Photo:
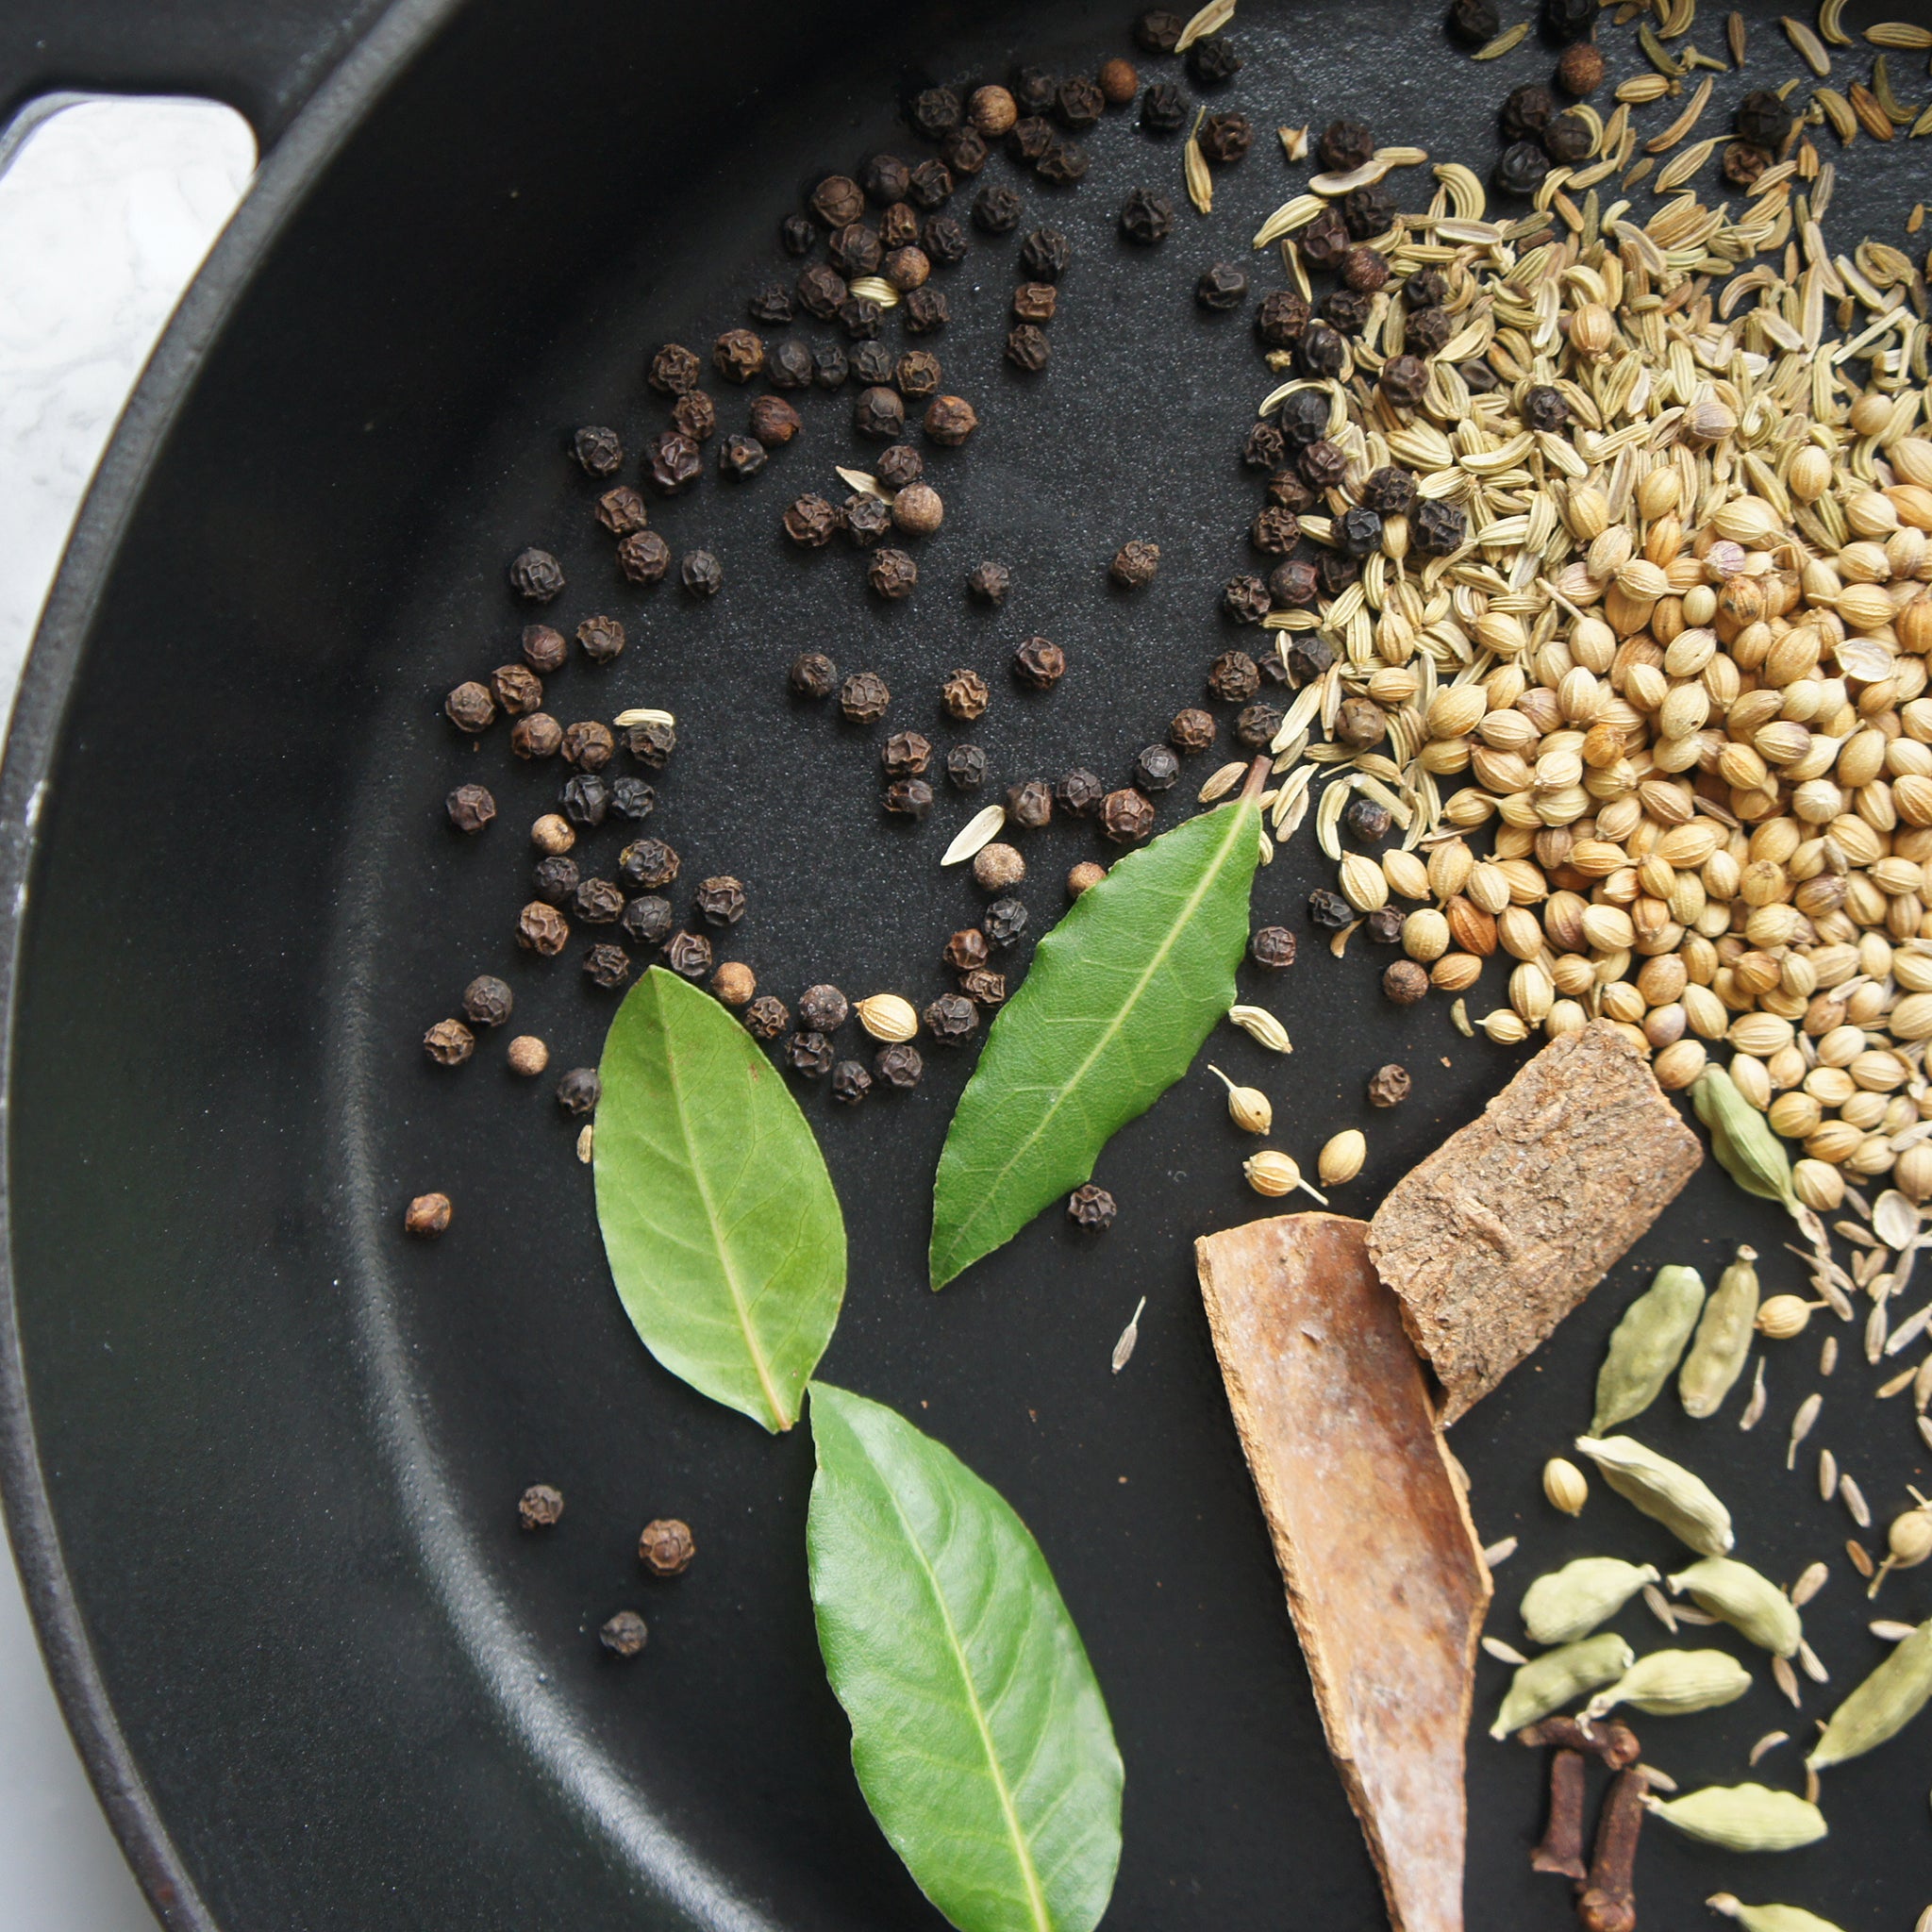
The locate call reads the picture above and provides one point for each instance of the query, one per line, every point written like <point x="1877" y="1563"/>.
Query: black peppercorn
<point x="1146" y="218"/>
<point x="536" y="575"/>
<point x="1191" y="731"/>
<point x="966" y="949"/>
<point x="1233" y="679"/>
<point x="1276" y="531"/>
<point x="607" y="966"/>
<point x="1405" y="983"/>
<point x="1134" y="564"/>
<point x="838" y="199"/>
<point x="1079" y="103"/>
<point x="621" y="511"/>
<point x="855" y="250"/>
<point x="1265" y="447"/>
<point x="1063" y="163"/>
<point x="1763" y="119"/>
<point x="1367" y="213"/>
<point x="1029" y="804"/>
<point x="879" y="413"/>
<point x="1027" y="348"/>
<point x="1427" y="288"/>
<point x="935" y="111"/>
<point x="931" y="184"/>
<point x="1526" y="111"/>
<point x="1569" y="20"/>
<point x="1126" y="816"/>
<point x="964" y="696"/>
<point x="1345" y="147"/>
<point x="1345" y="310"/>
<point x="1212" y="61"/>
<point x="1005" y="920"/>
<point x="1039" y="664"/>
<point x="774" y="420"/>
<point x="1225" y="138"/>
<point x="883" y="177"/>
<point x="1281" y="318"/>
<point x="470" y="807"/>
<point x="766" y="1017"/>
<point x="673" y="370"/>
<point x="984" y="987"/>
<point x="1325" y="240"/>
<point x="1521" y="168"/>
<point x="701" y="574"/>
<point x="773" y="302"/>
<point x="1359" y="531"/>
<point x="1156" y="769"/>
<point x="652" y="744"/>
<point x="809" y="1054"/>
<point x="585" y="798"/>
<point x="1030" y="138"/>
<point x="696" y="414"/>
<point x="905" y="754"/>
<point x="588" y="745"/>
<point x="1163" y="109"/>
<point x="851" y="1083"/>
<point x="1304" y="417"/>
<point x="1223" y="286"/>
<point x="1330" y="910"/>
<point x="688" y="954"/>
<point x="649" y="863"/>
<point x="554" y="880"/>
<point x="1035" y="301"/>
<point x="867" y="520"/>
<point x="951" y="1020"/>
<point x="449" y="1042"/>
<point x="966" y="768"/>
<point x="579" y="1091"/>
<point x="860" y="318"/>
<point x="791" y="365"/>
<point x="1384" y="925"/>
<point x="1367" y="821"/>
<point x="470" y="708"/>
<point x="542" y="929"/>
<point x="597" y="901"/>
<point x="539" y="1506"/>
<point x="907" y="798"/>
<point x="721" y="900"/>
<point x="1092" y="1209"/>
<point x="812" y="674"/>
<point x="1390" y="492"/>
<point x="741" y="458"/>
<point x="1320" y="352"/>
<point x="1337" y="570"/>
<point x="892" y="574"/>
<point x="898" y="1065"/>
<point x="738" y="355"/>
<point x="1034" y="89"/>
<point x="624" y="1635"/>
<point x="1308" y="655"/>
<point x="1046" y="255"/>
<point x="1255" y="725"/>
<point x="863" y="697"/>
<point x="647" y="919"/>
<point x="964" y="151"/>
<point x="822" y="1009"/>
<point x="828" y="366"/>
<point x="1544" y="409"/>
<point x="1159" y="32"/>
<point x="1272" y="946"/>
<point x="1080" y="793"/>
<point x="943" y="241"/>
<point x="673" y="461"/>
<point x="1568" y="137"/>
<point x="1743" y="163"/>
<point x="1474" y="23"/>
<point x="811" y="521"/>
<point x="995" y="210"/>
<point x="1294" y="585"/>
<point x="631" y="798"/>
<point x="988" y="582"/>
<point x="600" y="451"/>
<point x="796" y="235"/>
<point x="1245" y="598"/>
<point x="1425" y="330"/>
<point x="1436" y="528"/>
<point x="1478" y="376"/>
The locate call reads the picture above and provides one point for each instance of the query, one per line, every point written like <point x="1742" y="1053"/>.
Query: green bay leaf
<point x="979" y="1732"/>
<point x="718" y="1218"/>
<point x="1112" y="1011"/>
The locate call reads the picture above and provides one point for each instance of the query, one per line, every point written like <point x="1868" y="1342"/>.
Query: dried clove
<point x="1608" y="1900"/>
<point x="1561" y="1851"/>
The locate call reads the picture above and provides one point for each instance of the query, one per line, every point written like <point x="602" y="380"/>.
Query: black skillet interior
<point x="282" y="1446"/>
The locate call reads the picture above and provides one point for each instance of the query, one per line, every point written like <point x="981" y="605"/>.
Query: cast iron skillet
<point x="261" y="1455"/>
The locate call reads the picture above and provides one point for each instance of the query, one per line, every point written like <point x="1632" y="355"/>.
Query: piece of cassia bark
<point x="1384" y="1570"/>
<point x="1503" y="1230"/>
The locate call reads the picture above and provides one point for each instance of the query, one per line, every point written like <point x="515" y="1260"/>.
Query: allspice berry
<point x="553" y="834"/>
<point x="1083" y="876"/>
<point x="665" y="1548"/>
<point x="993" y="110"/>
<point x="734" y="983"/>
<point x="1405" y="983"/>
<point x="1580" y="71"/>
<point x="998" y="868"/>
<point x="427" y="1216"/>
<point x="1118" y="82"/>
<point x="528" y="1055"/>
<point x="918" y="511"/>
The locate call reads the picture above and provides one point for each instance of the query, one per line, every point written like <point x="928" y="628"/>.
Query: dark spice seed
<point x="1191" y="731"/>
<point x="884" y="178"/>
<point x="892" y="574"/>
<point x="1343" y="146"/>
<point x="1281" y="318"/>
<point x="943" y="241"/>
<point x="1027" y="348"/>
<point x="585" y="798"/>
<point x="1272" y="946"/>
<point x="1222" y="287"/>
<point x="791" y="365"/>
<point x="1543" y="408"/>
<point x="905" y="754"/>
<point x="916" y="374"/>
<point x="1427" y="330"/>
<point x="1246" y="599"/>
<point x="536" y="575"/>
<point x="1092" y="1209"/>
<point x="931" y="184"/>
<point x="821" y="289"/>
<point x="1330" y="910"/>
<point x="796" y="235"/>
<point x="673" y="370"/>
<point x="554" y="879"/>
<point x="1034" y="89"/>
<point x="774" y="420"/>
<point x="879" y="413"/>
<point x="1389" y="491"/>
<point x="1438" y="528"/>
<point x="1478" y="378"/>
<point x="1295" y="585"/>
<point x="1308" y="656"/>
<point x="773" y="302"/>
<point x="989" y="582"/>
<point x="647" y="919"/>
<point x="588" y="745"/>
<point x="824" y="1008"/>
<point x="809" y="1054"/>
<point x="926" y="312"/>
<point x="1405" y="983"/>
<point x="1029" y="804"/>
<point x="829" y="367"/>
<point x="649" y="863"/>
<point x="1526" y="111"/>
<point x="652" y="744"/>
<point x="542" y="929"/>
<point x="898" y="1065"/>
<point x="688" y="954"/>
<point x="449" y="1042"/>
<point x="1135" y="564"/>
<point x="1156" y="769"/>
<point x="607" y="966"/>
<point x="964" y="151"/>
<point x="1005" y="920"/>
<point x="1319" y="351"/>
<point x="1159" y="30"/>
<point x="1212" y="61"/>
<point x="1226" y="138"/>
<point x="964" y="696"/>
<point x="1163" y="109"/>
<point x="721" y="900"/>
<point x="598" y="902"/>
<point x="1264" y="447"/>
<point x="1126" y="815"/>
<point x="935" y="111"/>
<point x="470" y="807"/>
<point x="1367" y="821"/>
<point x="1304" y="417"/>
<point x="811" y="521"/>
<point x="1521" y="168"/>
<point x="601" y="639"/>
<point x="1359" y="531"/>
<point x="838" y="199"/>
<point x="545" y="650"/>
<point x="1079" y="103"/>
<point x="1325" y="240"/>
<point x="1405" y="380"/>
<point x="738" y="355"/>
<point x="1763" y="119"/>
<point x="1046" y="255"/>
<point x="1035" y="301"/>
<point x="860" y="318"/>
<point x="1474" y="23"/>
<point x="739" y="457"/>
<point x="1742" y="164"/>
<point x="1276" y="531"/>
<point x="624" y="1635"/>
<point x="1030" y="138"/>
<point x="470" y="708"/>
<point x="631" y="798"/>
<point x="1040" y="664"/>
<point x="863" y="697"/>
<point x="599" y="450"/>
<point x="901" y="465"/>
<point x="966" y="766"/>
<point x="1365" y="270"/>
<point x="1079" y="791"/>
<point x="644" y="557"/>
<point x="1362" y="724"/>
<point x="539" y="1506"/>
<point x="1384" y="925"/>
<point x="1063" y="163"/>
<point x="952" y="1020"/>
<point x="1256" y="724"/>
<point x="701" y="574"/>
<point x="1567" y="138"/>
<point x="1345" y="310"/>
<point x="867" y="520"/>
<point x="855" y="250"/>
<point x="1367" y="213"/>
<point x="1390" y="1086"/>
<point x="427" y="1216"/>
<point x="766" y="1017"/>
<point x="966" y="949"/>
<point x="674" y="461"/>
<point x="851" y="1083"/>
<point x="984" y="987"/>
<point x="579" y="1091"/>
<point x="1233" y="679"/>
<point x="995" y="210"/>
<point x="898" y="229"/>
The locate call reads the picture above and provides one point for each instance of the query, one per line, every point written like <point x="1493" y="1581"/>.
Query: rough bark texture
<point x="1516" y="1217"/>
<point x="1385" y="1576"/>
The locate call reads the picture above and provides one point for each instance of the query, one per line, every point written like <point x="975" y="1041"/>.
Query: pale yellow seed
<point x="1341" y="1158"/>
<point x="1565" y="1485"/>
<point x="887" y="1016"/>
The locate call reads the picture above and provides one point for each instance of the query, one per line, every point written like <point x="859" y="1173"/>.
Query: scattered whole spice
<point x="1156" y="769"/>
<point x="1005" y="920"/>
<point x="701" y="574"/>
<point x="996" y="210"/>
<point x="1159" y="30"/>
<point x="1146" y="218"/>
<point x="739" y="458"/>
<point x="812" y="674"/>
<point x="470" y="807"/>
<point x="544" y="649"/>
<point x="1245" y="598"/>
<point x="1405" y="983"/>
<point x="951" y="1020"/>
<point x="721" y="900"/>
<point x="851" y="1083"/>
<point x="542" y="929"/>
<point x="1222" y="287"/>
<point x="966" y="949"/>
<point x="609" y="966"/>
<point x="918" y="509"/>
<point x="1191" y="731"/>
<point x="1028" y="348"/>
<point x="1084" y="875"/>
<point x="527" y="1056"/>
<point x="624" y="1635"/>
<point x="644" y="557"/>
<point x="1039" y="664"/>
<point x="950" y="420"/>
<point x="901" y="466"/>
<point x="964" y="696"/>
<point x="766" y="1017"/>
<point x="863" y="697"/>
<point x="867" y="521"/>
<point x="989" y="582"/>
<point x="1029" y="804"/>
<point x="673" y="370"/>
<point x="666" y="1547"/>
<point x="539" y="1506"/>
<point x="688" y="954"/>
<point x="648" y="864"/>
<point x="1388" y="1086"/>
<point x="552" y="835"/>
<point x="696" y="415"/>
<point x="487" y="1000"/>
<point x="984" y="987"/>
<point x="1233" y="679"/>
<point x="427" y="1216"/>
<point x="536" y="575"/>
<point x="1212" y="61"/>
<point x="539" y="736"/>
<point x="892" y="574"/>
<point x="966" y="766"/>
<point x="1272" y="946"/>
<point x="809" y="1054"/>
<point x="470" y="708"/>
<point x="998" y="868"/>
<point x="898" y="1065"/>
<point x="1126" y="816"/>
<point x="588" y="745"/>
<point x="1092" y="1208"/>
<point x="586" y="796"/>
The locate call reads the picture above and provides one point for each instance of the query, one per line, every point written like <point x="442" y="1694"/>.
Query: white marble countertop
<point x="107" y="207"/>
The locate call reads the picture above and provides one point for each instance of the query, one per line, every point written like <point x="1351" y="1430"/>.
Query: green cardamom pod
<point x="1645" y="1346"/>
<point x="1570" y="1602"/>
<point x="1769" y="1918"/>
<point x="1748" y="1602"/>
<point x="1746" y="1148"/>
<point x="1882" y="1706"/>
<point x="1722" y="1345"/>
<point x="1669" y="1683"/>
<point x="1743" y="1818"/>
<point x="1559" y="1678"/>
<point x="1663" y="1489"/>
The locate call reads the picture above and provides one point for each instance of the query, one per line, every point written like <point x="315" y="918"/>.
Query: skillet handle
<point x="263" y="57"/>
